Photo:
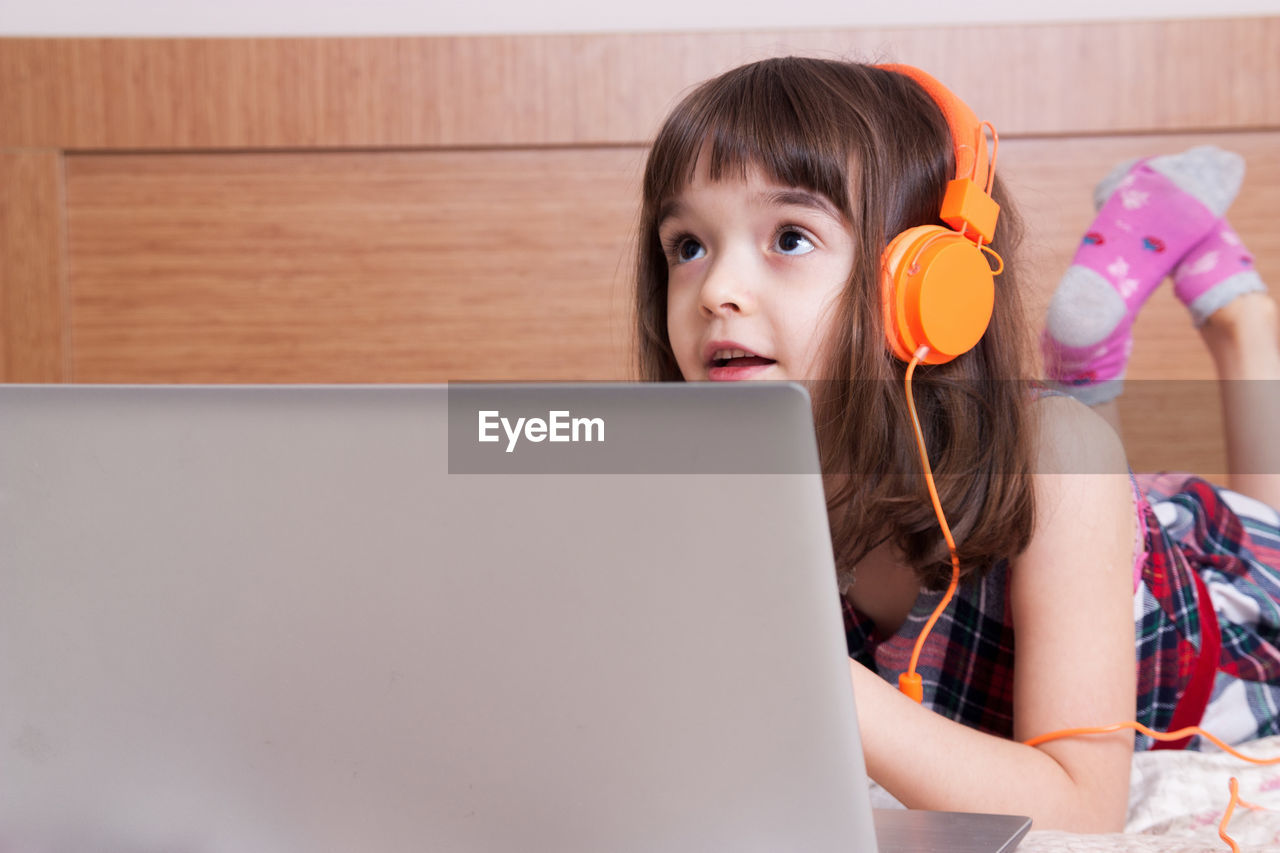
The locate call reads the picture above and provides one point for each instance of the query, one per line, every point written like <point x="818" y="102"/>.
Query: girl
<point x="770" y="195"/>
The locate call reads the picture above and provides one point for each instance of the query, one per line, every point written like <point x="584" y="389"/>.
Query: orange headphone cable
<point x="1151" y="733"/>
<point x="1233" y="785"/>
<point x="910" y="682"/>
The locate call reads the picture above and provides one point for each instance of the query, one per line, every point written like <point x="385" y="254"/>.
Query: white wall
<point x="388" y="17"/>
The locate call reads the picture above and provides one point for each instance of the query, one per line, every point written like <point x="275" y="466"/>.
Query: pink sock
<point x="1215" y="271"/>
<point x="1154" y="212"/>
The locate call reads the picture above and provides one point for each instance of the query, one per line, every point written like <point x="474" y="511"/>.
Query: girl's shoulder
<point x="1071" y="438"/>
<point x="1087" y="517"/>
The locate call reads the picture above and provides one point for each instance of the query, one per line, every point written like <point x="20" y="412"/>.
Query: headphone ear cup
<point x="938" y="291"/>
<point x="897" y="331"/>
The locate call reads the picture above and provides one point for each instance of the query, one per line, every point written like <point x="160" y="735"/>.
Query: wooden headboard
<point x="451" y="208"/>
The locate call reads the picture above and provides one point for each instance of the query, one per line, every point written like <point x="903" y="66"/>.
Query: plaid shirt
<point x="967" y="662"/>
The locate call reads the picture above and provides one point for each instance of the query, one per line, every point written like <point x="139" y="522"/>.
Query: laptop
<point x="462" y="618"/>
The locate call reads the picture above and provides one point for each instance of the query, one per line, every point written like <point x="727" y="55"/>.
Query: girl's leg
<point x="1237" y="319"/>
<point x="1242" y="338"/>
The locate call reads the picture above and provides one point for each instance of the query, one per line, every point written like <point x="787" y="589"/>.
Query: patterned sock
<point x="1212" y="273"/>
<point x="1152" y="212"/>
<point x="1216" y="270"/>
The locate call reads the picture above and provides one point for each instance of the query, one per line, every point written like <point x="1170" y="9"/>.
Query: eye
<point x="682" y="248"/>
<point x="689" y="250"/>
<point x="793" y="241"/>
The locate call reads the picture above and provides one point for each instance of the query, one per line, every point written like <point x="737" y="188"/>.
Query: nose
<point x="727" y="288"/>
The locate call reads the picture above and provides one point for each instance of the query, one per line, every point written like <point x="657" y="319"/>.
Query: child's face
<point x="755" y="269"/>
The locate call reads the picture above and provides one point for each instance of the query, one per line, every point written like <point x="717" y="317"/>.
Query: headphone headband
<point x="966" y="131"/>
<point x="937" y="288"/>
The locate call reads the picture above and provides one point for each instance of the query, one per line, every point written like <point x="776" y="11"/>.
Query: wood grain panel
<point x="426" y="209"/>
<point x="612" y="89"/>
<point x="432" y="266"/>
<point x="343" y="267"/>
<point x="32" y="332"/>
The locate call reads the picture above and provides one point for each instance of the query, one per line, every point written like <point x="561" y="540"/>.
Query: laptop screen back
<point x="312" y="618"/>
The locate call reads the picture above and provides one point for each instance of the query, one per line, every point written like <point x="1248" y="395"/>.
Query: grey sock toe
<point x="1208" y="173"/>
<point x="1085" y="309"/>
<point x="1108" y="184"/>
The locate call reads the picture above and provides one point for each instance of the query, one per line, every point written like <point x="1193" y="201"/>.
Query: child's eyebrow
<point x="799" y="198"/>
<point x="670" y="208"/>
<point x="774" y="198"/>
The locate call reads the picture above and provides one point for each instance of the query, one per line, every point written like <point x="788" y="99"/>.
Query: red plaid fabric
<point x="967" y="662"/>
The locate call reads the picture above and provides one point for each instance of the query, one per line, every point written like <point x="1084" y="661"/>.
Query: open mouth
<point x="738" y="358"/>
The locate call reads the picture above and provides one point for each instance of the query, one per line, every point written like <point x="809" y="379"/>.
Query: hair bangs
<point x="765" y="117"/>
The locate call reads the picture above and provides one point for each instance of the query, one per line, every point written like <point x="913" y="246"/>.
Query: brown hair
<point x="878" y="148"/>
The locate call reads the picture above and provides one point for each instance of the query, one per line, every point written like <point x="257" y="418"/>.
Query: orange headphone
<point x="937" y="287"/>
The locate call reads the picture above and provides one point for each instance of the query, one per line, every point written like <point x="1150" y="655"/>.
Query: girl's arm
<point x="1072" y="600"/>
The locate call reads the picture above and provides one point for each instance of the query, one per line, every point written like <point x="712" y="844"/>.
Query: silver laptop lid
<point x="268" y="619"/>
